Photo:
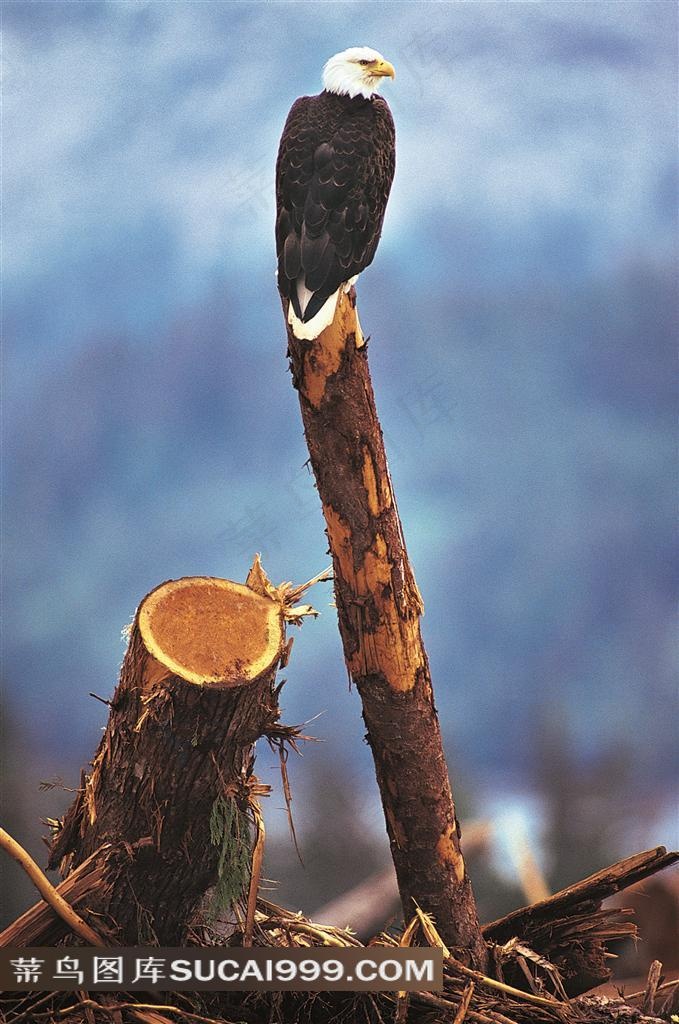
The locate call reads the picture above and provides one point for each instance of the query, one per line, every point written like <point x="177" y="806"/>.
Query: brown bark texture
<point x="379" y="609"/>
<point x="173" y="745"/>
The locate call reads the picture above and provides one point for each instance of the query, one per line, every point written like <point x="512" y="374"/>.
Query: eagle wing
<point x="333" y="176"/>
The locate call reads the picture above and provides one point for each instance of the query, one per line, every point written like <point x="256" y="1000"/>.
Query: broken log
<point x="571" y="929"/>
<point x="168" y="794"/>
<point x="379" y="609"/>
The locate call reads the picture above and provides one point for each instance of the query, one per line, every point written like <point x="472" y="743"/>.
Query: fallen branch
<point x="49" y="893"/>
<point x="571" y="930"/>
<point x="652" y="983"/>
<point x="501" y="986"/>
<point x="464" y="1005"/>
<point x="255" y="873"/>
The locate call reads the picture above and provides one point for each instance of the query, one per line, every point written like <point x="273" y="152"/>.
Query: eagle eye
<point x="364" y="62"/>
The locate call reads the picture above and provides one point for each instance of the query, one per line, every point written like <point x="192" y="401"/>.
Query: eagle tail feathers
<point x="304" y="297"/>
<point x="312" y="325"/>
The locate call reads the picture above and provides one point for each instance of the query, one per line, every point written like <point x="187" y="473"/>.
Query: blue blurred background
<point x="522" y="310"/>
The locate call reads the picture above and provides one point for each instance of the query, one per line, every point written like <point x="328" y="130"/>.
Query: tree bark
<point x="379" y="608"/>
<point x="167" y="796"/>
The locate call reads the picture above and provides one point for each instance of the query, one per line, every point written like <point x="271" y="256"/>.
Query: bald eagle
<point x="333" y="176"/>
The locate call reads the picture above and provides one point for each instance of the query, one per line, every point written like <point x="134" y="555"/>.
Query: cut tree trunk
<point x="167" y="798"/>
<point x="379" y="608"/>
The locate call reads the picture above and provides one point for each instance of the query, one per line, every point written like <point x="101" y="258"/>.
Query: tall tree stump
<point x="167" y="795"/>
<point x="379" y="608"/>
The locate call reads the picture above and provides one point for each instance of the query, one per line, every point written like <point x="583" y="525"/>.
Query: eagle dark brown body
<point x="333" y="176"/>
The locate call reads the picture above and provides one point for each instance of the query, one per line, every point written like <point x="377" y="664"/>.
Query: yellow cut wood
<point x="210" y="631"/>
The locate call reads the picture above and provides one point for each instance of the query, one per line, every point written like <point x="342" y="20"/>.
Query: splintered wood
<point x="571" y="929"/>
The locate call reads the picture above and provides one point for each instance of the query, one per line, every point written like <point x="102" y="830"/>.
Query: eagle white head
<point x="357" y="71"/>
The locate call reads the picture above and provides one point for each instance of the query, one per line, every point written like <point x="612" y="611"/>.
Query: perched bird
<point x="333" y="176"/>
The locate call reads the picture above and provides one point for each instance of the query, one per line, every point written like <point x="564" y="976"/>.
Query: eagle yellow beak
<point x="383" y="68"/>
